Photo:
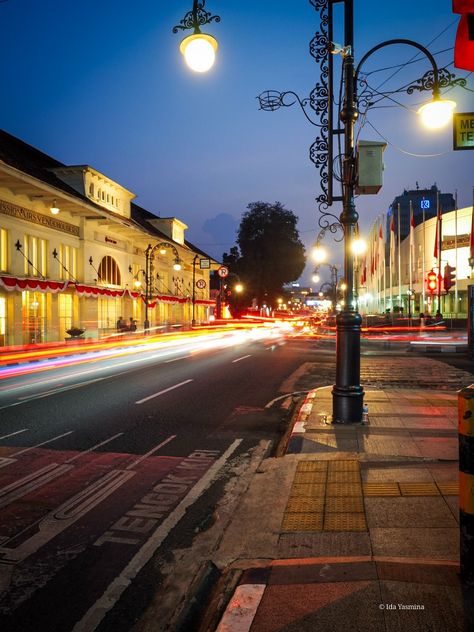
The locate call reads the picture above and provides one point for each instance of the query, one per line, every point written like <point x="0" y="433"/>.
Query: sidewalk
<point x="357" y="525"/>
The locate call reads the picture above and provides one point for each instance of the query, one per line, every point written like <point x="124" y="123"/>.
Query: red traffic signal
<point x="432" y="281"/>
<point x="464" y="44"/>
<point x="449" y="277"/>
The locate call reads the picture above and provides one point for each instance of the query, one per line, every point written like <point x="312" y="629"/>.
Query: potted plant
<point x="75" y="332"/>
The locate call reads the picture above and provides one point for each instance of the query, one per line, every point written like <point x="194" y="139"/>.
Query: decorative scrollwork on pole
<point x="427" y="82"/>
<point x="196" y="18"/>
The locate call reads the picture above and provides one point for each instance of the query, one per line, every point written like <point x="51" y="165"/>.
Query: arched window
<point x="109" y="272"/>
<point x="91" y="189"/>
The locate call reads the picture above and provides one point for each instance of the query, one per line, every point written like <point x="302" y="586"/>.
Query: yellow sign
<point x="463" y="130"/>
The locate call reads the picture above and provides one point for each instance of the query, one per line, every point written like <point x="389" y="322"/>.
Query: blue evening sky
<point x="102" y="82"/>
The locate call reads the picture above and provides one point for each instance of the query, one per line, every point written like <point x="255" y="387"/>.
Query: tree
<point x="271" y="253"/>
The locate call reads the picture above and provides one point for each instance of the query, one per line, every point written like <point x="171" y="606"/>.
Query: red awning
<point x="33" y="285"/>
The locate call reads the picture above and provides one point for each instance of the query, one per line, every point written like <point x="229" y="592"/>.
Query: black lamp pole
<point x="193" y="321"/>
<point x="347" y="393"/>
<point x="148" y="257"/>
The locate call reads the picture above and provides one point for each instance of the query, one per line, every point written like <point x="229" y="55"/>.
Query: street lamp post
<point x="347" y="392"/>
<point x="149" y="256"/>
<point x="193" y="319"/>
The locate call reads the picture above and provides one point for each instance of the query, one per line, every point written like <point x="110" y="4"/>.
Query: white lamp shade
<point x="437" y="113"/>
<point x="199" y="51"/>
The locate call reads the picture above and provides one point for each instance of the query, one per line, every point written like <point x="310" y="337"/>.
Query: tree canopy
<point x="269" y="252"/>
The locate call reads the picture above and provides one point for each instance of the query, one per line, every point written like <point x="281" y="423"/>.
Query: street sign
<point x="223" y="272"/>
<point x="463" y="130"/>
<point x="201" y="284"/>
<point x="204" y="264"/>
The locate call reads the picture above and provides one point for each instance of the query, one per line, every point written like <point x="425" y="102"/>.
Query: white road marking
<point x="242" y="358"/>
<point x="144" y="456"/>
<point x="43" y="443"/>
<point x="113" y="592"/>
<point x="13" y="433"/>
<point x="98" y="445"/>
<point x="30" y="482"/>
<point x="166" y="390"/>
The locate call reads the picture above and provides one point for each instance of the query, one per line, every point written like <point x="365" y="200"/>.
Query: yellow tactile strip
<point x="325" y="497"/>
<point x="328" y="496"/>
<point x="410" y="489"/>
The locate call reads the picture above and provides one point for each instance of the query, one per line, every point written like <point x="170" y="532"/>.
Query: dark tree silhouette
<point x="269" y="252"/>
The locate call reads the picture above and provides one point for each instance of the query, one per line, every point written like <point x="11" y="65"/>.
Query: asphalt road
<point x="106" y="462"/>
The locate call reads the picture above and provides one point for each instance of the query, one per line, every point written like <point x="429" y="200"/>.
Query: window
<point x="68" y="258"/>
<point x="91" y="189"/>
<point x="65" y="313"/>
<point x="3" y="249"/>
<point x="109" y="272"/>
<point x="109" y="311"/>
<point x="35" y="251"/>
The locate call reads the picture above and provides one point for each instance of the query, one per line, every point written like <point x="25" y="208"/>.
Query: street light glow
<point x="359" y="246"/>
<point x="239" y="287"/>
<point x="199" y="51"/>
<point x="437" y="113"/>
<point x="318" y="254"/>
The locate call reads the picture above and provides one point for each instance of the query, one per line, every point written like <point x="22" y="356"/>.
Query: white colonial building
<point x="73" y="254"/>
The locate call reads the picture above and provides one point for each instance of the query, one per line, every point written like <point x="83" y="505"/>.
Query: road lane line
<point x="150" y="452"/>
<point x="98" y="445"/>
<point x="242" y="358"/>
<point x="166" y="390"/>
<point x="96" y="613"/>
<point x="13" y="433"/>
<point x="43" y="443"/>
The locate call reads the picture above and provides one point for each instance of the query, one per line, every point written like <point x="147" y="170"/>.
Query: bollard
<point x="466" y="482"/>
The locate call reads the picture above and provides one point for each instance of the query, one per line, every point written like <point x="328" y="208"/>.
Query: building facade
<point x="394" y="276"/>
<point x="73" y="254"/>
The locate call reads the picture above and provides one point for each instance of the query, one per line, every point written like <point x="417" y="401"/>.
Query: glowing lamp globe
<point x="436" y="113"/>
<point x="199" y="51"/>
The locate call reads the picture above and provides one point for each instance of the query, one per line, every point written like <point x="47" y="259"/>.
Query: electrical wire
<point x="403" y="151"/>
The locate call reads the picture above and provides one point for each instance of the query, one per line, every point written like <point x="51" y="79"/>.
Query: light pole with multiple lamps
<point x="347" y="392"/>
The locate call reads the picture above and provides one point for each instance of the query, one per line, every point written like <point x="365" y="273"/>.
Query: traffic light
<point x="432" y="281"/>
<point x="449" y="277"/>
<point x="464" y="43"/>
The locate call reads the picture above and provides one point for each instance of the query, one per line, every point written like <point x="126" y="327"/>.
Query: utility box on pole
<point x="369" y="167"/>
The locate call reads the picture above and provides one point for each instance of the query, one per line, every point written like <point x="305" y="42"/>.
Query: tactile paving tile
<point x="308" y="490"/>
<point x="345" y="522"/>
<point x="449" y="489"/>
<point x="419" y="489"/>
<point x="302" y="505"/>
<point x="344" y="505"/>
<point x="302" y="522"/>
<point x="343" y="489"/>
<point x="381" y="489"/>
<point x="343" y="466"/>
<point x="312" y="466"/>
<point x="310" y="477"/>
<point x="343" y="477"/>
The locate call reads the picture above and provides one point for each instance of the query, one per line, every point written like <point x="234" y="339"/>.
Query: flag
<point x="381" y="247"/>
<point x="436" y="252"/>
<point x="392" y="241"/>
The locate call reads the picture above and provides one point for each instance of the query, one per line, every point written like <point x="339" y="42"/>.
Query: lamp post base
<point x="347" y="393"/>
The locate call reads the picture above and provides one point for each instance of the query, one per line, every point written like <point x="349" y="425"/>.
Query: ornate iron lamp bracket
<point x="196" y="18"/>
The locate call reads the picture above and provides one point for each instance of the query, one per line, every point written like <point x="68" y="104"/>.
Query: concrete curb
<point x="192" y="613"/>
